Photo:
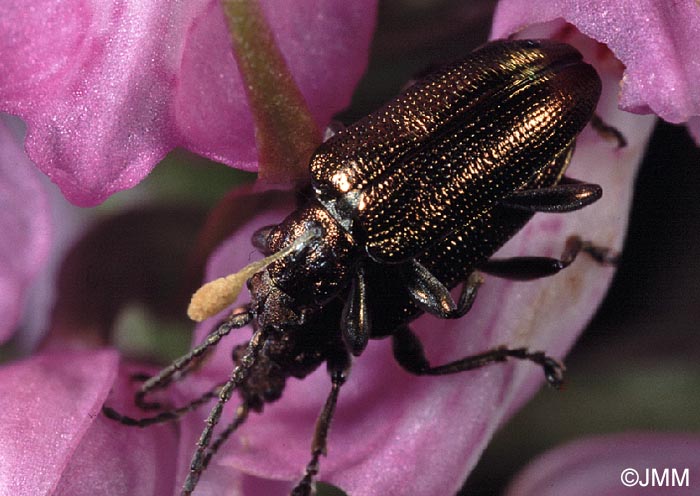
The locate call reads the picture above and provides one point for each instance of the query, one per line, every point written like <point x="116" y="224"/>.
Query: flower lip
<point x="654" y="40"/>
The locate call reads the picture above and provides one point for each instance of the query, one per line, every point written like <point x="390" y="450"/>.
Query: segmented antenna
<point x="209" y="300"/>
<point x="239" y="374"/>
<point x="216" y="295"/>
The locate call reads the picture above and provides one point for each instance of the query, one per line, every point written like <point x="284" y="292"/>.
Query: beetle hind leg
<point x="408" y="352"/>
<point x="607" y="131"/>
<point x="567" y="196"/>
<point x="529" y="268"/>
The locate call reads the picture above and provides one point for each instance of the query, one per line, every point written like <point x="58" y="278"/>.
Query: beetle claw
<point x="553" y="372"/>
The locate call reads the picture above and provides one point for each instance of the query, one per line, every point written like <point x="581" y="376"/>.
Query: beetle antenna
<point x="185" y="364"/>
<point x="216" y="295"/>
<point x="165" y="416"/>
<point x="239" y="374"/>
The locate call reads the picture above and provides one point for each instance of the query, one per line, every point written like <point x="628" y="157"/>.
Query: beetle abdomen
<point x="450" y="147"/>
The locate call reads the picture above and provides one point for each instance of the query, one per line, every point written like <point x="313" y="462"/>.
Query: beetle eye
<point x="261" y="239"/>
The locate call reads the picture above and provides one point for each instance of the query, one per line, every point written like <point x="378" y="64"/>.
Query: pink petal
<point x="48" y="404"/>
<point x="595" y="466"/>
<point x="117" y="460"/>
<point x="393" y="431"/>
<point x="108" y="89"/>
<point x="25" y="225"/>
<point x="656" y="40"/>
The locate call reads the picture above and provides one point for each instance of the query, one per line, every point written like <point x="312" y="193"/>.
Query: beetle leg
<point x="355" y="321"/>
<point x="318" y="445"/>
<point x="468" y="295"/>
<point x="607" y="131"/>
<point x="409" y="353"/>
<point x="433" y="297"/>
<point x="566" y="197"/>
<point x="529" y="268"/>
<point x="186" y="363"/>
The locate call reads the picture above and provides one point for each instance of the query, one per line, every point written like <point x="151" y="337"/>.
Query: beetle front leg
<point x="433" y="297"/>
<point x="529" y="268"/>
<point x="408" y="352"/>
<point x="338" y="373"/>
<point x="355" y="322"/>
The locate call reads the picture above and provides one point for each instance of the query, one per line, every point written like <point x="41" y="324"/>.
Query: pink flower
<point x="123" y="89"/>
<point x="108" y="88"/>
<point x="615" y="464"/>
<point x="424" y="435"/>
<point x="654" y="39"/>
<point x="26" y="229"/>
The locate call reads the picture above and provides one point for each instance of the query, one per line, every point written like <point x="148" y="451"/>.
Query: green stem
<point x="285" y="131"/>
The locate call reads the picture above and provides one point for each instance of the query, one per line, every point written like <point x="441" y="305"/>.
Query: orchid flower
<point x="634" y="463"/>
<point x="655" y="40"/>
<point x="108" y="89"/>
<point x="25" y="222"/>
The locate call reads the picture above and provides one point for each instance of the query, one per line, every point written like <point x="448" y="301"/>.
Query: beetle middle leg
<point x="408" y="351"/>
<point x="433" y="297"/>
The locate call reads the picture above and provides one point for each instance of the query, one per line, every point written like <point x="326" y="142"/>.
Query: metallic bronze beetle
<point x="405" y="204"/>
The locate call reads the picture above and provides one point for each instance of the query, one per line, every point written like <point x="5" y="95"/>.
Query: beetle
<point x="403" y="206"/>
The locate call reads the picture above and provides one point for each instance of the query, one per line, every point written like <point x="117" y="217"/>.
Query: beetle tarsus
<point x="601" y="254"/>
